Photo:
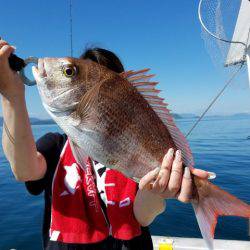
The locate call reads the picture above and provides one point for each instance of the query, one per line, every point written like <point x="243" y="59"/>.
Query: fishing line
<point x="7" y="131"/>
<point x="71" y="28"/>
<point x="34" y="60"/>
<point x="215" y="99"/>
<point x="214" y="16"/>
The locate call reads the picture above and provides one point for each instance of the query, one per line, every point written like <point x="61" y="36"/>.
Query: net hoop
<point x="212" y="34"/>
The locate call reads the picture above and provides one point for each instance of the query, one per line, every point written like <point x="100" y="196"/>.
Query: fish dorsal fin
<point x="147" y="89"/>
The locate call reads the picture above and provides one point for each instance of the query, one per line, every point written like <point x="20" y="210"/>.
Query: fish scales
<point x="133" y="133"/>
<point x="119" y="120"/>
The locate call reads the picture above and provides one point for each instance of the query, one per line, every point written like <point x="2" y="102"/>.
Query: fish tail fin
<point x="212" y="202"/>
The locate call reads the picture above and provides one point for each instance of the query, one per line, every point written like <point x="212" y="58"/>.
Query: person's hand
<point x="11" y="84"/>
<point x="171" y="180"/>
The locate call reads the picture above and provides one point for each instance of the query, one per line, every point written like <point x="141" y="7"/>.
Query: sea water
<point x="219" y="144"/>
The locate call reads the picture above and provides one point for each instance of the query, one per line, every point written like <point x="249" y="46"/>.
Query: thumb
<point x="203" y="174"/>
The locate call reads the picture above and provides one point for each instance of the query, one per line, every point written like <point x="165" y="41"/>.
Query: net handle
<point x="212" y="34"/>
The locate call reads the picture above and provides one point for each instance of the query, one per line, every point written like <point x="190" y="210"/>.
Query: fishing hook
<point x="18" y="64"/>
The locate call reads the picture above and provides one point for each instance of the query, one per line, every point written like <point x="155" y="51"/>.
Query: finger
<point x="6" y="50"/>
<point x="163" y="177"/>
<point x="174" y="183"/>
<point x="168" y="159"/>
<point x="186" y="187"/>
<point x="161" y="182"/>
<point x="2" y="43"/>
<point x="200" y="173"/>
<point x="148" y="178"/>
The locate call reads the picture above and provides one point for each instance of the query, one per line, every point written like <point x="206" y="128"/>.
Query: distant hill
<point x="35" y="121"/>
<point x="40" y="122"/>
<point x="237" y="115"/>
<point x="188" y="116"/>
<point x="241" y="115"/>
<point x="176" y="116"/>
<point x="193" y="116"/>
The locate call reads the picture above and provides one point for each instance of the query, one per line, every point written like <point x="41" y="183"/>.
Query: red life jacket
<point x="76" y="214"/>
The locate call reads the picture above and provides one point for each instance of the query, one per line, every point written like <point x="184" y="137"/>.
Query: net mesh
<point x="220" y="18"/>
<point x="227" y="20"/>
<point x="220" y="24"/>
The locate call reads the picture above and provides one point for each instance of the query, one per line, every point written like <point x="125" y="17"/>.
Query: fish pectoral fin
<point x="78" y="153"/>
<point x="213" y="202"/>
<point x="88" y="101"/>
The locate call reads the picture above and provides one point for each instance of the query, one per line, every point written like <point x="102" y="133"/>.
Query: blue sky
<point x="162" y="35"/>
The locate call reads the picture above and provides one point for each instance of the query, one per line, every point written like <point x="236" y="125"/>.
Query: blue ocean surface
<point x="219" y="145"/>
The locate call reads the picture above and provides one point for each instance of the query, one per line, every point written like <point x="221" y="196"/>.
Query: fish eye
<point x="69" y="70"/>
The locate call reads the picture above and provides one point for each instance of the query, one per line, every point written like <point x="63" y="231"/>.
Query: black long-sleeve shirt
<point x="50" y="146"/>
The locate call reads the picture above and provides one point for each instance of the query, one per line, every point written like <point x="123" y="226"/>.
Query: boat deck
<point x="175" y="243"/>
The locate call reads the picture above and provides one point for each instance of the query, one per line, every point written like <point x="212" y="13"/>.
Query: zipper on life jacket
<point x="106" y="218"/>
<point x="102" y="204"/>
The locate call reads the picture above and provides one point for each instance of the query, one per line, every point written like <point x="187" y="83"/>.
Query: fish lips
<point x="39" y="72"/>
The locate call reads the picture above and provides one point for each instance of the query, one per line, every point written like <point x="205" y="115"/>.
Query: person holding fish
<point x="102" y="188"/>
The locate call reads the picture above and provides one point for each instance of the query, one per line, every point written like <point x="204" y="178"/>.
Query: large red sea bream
<point x="119" y="120"/>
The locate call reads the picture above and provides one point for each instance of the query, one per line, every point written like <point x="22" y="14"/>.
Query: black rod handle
<point x="16" y="63"/>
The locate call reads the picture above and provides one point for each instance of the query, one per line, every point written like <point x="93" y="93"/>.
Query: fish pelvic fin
<point x="211" y="202"/>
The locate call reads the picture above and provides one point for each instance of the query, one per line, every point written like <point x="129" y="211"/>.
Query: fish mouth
<point x="63" y="93"/>
<point x="39" y="71"/>
<point x="58" y="101"/>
